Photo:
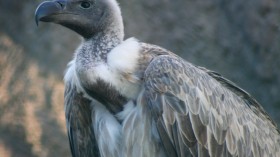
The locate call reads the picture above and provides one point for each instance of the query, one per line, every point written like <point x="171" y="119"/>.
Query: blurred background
<point x="239" y="39"/>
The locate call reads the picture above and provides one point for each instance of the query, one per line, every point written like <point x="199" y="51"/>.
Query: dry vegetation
<point x="31" y="111"/>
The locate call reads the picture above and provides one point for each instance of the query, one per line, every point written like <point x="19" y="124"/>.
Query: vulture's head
<point x="86" y="17"/>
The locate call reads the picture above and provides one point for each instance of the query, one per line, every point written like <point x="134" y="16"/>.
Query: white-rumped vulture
<point x="125" y="98"/>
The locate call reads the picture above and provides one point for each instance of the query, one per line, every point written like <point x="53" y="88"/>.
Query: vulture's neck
<point x="93" y="53"/>
<point x="104" y="41"/>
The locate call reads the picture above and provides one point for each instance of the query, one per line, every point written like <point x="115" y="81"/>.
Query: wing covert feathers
<point x="205" y="114"/>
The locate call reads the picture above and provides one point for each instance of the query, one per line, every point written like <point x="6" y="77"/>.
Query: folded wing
<point x="198" y="111"/>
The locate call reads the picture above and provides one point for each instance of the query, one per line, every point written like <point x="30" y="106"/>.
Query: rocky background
<point x="239" y="39"/>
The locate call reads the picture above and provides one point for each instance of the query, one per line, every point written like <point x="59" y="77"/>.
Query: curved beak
<point x="46" y="9"/>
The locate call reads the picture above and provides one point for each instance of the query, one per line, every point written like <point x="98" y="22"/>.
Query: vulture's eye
<point x="85" y="5"/>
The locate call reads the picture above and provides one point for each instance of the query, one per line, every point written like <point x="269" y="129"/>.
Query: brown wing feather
<point x="203" y="116"/>
<point x="249" y="100"/>
<point x="79" y="122"/>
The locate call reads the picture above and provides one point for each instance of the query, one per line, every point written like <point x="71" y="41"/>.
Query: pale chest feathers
<point x="119" y="70"/>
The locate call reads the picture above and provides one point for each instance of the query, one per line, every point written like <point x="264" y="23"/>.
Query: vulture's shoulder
<point x="154" y="50"/>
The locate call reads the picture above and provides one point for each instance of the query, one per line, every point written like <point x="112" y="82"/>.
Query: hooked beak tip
<point x="46" y="9"/>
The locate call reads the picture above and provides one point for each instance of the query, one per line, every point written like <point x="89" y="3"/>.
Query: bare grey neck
<point x="95" y="49"/>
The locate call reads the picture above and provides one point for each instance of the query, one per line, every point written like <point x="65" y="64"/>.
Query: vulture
<point x="126" y="98"/>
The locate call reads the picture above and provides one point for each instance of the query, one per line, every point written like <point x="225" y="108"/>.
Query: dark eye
<point x="85" y="5"/>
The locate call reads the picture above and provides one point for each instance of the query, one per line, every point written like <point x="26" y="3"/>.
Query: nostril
<point x="61" y="3"/>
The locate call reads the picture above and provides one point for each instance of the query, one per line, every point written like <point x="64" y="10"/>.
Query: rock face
<point x="239" y="39"/>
